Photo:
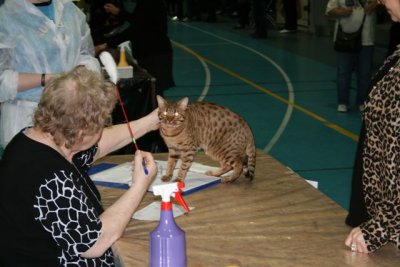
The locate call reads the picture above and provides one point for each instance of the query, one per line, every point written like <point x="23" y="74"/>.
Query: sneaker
<point x="185" y="19"/>
<point x="361" y="108"/>
<point x="286" y="31"/>
<point x="175" y="18"/>
<point x="342" y="108"/>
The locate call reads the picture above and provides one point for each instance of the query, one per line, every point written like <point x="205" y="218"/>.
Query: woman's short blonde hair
<point x="74" y="105"/>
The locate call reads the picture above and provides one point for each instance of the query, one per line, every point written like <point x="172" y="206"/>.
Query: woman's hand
<point x="346" y="11"/>
<point x="116" y="217"/>
<point x="341" y="12"/>
<point x="370" y="7"/>
<point x="110" y="8"/>
<point x="100" y="48"/>
<point x="143" y="160"/>
<point x="355" y="241"/>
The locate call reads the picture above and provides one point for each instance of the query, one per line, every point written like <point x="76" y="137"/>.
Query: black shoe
<point x="238" y="26"/>
<point x="212" y="19"/>
<point x="258" y="35"/>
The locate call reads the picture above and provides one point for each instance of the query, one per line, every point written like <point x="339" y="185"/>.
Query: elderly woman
<point x="50" y="210"/>
<point x="380" y="155"/>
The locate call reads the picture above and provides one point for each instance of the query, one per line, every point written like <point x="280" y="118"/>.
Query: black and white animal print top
<point x="381" y="158"/>
<point x="49" y="208"/>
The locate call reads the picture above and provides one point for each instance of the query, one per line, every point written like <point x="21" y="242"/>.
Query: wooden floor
<point x="278" y="220"/>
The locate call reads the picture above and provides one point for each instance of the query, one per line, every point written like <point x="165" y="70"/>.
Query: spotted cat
<point x="221" y="133"/>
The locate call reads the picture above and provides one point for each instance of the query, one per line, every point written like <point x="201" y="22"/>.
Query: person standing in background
<point x="211" y="9"/>
<point x="291" y="16"/>
<point x="193" y="10"/>
<point x="350" y="15"/>
<point x="110" y="24"/>
<point x="147" y="30"/>
<point x="38" y="40"/>
<point x="151" y="45"/>
<point x="258" y="8"/>
<point x="175" y="9"/>
<point x="243" y="11"/>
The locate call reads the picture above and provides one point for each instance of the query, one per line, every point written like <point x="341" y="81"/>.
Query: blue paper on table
<point x="119" y="176"/>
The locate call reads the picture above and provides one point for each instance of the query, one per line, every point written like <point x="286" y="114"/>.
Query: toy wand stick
<point x="111" y="68"/>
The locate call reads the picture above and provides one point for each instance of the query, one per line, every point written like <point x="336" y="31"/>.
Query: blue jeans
<point x="361" y="64"/>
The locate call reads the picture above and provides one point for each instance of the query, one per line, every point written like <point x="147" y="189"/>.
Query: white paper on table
<point x="122" y="173"/>
<point x="152" y="212"/>
<point x="313" y="183"/>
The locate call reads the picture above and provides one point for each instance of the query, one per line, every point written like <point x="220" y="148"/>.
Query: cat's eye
<point x="176" y="114"/>
<point x="165" y="113"/>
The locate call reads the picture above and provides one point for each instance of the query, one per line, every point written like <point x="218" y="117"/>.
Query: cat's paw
<point x="179" y="180"/>
<point x="166" y="178"/>
<point x="210" y="173"/>
<point x="226" y="180"/>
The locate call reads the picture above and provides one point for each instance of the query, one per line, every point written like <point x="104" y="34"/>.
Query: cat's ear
<point x="183" y="103"/>
<point x="160" y="101"/>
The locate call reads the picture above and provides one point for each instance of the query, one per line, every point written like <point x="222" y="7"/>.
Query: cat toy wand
<point x="111" y="68"/>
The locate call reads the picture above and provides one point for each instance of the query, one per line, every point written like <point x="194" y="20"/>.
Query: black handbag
<point x="349" y="42"/>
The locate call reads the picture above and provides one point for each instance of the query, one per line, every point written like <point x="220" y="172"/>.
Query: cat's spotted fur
<point x="221" y="133"/>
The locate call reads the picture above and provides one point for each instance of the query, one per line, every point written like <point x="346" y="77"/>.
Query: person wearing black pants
<point x="193" y="10"/>
<point x="290" y="9"/>
<point x="243" y="9"/>
<point x="260" y="18"/>
<point x="175" y="9"/>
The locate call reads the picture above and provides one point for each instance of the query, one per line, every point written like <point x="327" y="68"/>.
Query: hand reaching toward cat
<point x="154" y="120"/>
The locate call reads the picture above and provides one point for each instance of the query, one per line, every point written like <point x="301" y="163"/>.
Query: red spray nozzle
<point x="171" y="189"/>
<point x="178" y="196"/>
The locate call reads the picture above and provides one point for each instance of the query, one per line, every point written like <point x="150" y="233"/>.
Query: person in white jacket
<point x="39" y="39"/>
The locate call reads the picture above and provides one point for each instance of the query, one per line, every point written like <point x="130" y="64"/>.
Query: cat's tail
<point x="251" y="160"/>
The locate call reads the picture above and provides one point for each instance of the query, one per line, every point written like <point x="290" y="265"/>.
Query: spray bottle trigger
<point x="178" y="197"/>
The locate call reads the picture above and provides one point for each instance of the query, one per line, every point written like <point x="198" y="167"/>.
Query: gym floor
<point x="284" y="86"/>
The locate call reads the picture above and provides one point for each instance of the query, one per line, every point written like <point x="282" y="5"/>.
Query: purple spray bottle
<point x="167" y="240"/>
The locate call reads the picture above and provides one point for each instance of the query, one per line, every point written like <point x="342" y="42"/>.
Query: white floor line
<point x="207" y="72"/>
